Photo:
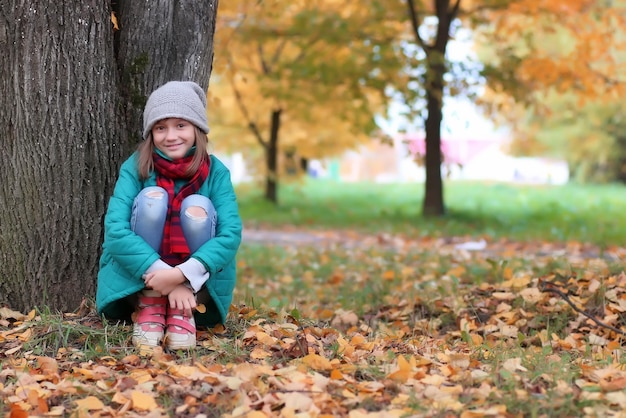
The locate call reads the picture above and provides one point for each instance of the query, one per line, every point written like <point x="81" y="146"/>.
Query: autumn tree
<point x="71" y="93"/>
<point x="330" y="57"/>
<point x="587" y="66"/>
<point x="446" y="11"/>
<point x="554" y="75"/>
<point x="300" y="77"/>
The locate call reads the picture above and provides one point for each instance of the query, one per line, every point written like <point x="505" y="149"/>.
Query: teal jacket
<point x="126" y="256"/>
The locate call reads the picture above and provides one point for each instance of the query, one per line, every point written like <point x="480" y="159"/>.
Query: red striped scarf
<point x="174" y="249"/>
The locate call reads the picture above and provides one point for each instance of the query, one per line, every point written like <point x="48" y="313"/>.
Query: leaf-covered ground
<point x="328" y="324"/>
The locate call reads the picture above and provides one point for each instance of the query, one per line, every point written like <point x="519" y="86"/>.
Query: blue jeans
<point x="150" y="210"/>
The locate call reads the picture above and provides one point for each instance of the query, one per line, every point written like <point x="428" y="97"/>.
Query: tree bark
<point x="433" y="198"/>
<point x="271" y="159"/>
<point x="304" y="164"/>
<point x="169" y="40"/>
<point x="64" y="113"/>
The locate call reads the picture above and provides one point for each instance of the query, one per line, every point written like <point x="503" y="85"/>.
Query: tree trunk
<point x="436" y="62"/>
<point x="170" y="40"/>
<point x="60" y="117"/>
<point x="271" y="159"/>
<point x="304" y="164"/>
<point x="433" y="197"/>
<point x="65" y="135"/>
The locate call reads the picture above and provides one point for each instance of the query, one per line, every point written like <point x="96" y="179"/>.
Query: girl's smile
<point x="174" y="137"/>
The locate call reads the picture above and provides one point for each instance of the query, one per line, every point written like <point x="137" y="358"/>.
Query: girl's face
<point x="174" y="137"/>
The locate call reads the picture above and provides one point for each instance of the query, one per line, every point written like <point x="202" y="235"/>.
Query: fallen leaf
<point x="317" y="362"/>
<point x="90" y="403"/>
<point x="142" y="401"/>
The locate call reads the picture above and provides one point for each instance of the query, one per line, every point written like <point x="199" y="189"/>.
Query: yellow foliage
<point x="309" y="60"/>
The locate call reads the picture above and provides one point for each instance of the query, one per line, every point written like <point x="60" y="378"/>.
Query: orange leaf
<point x="143" y="401"/>
<point x="317" y="362"/>
<point x="336" y="375"/>
<point x="17" y="412"/>
<point x="613" y="345"/>
<point x="114" y="21"/>
<point x="404" y="371"/>
<point x="90" y="403"/>
<point x="613" y="385"/>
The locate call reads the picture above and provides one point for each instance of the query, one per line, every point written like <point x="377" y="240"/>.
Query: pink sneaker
<point x="181" y="330"/>
<point x="150" y="323"/>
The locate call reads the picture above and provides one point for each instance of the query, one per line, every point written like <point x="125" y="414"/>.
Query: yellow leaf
<point x="7" y="313"/>
<point x="90" y="403"/>
<point x="114" y="21"/>
<point x="201" y="308"/>
<point x="460" y="360"/>
<point x="265" y="339"/>
<point x="507" y="273"/>
<point x="476" y="339"/>
<point x="120" y="398"/>
<point x="317" y="362"/>
<point x="457" y="271"/>
<point x="255" y="414"/>
<point x="143" y="401"/>
<point x="389" y="275"/>
<point x="357" y="340"/>
<point x="26" y="335"/>
<point x="259" y="354"/>
<point x="400" y="375"/>
<point x="48" y="365"/>
<point x="404" y="372"/>
<point x="219" y="329"/>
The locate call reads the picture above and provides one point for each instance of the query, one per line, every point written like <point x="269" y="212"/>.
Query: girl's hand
<point x="182" y="298"/>
<point x="164" y="281"/>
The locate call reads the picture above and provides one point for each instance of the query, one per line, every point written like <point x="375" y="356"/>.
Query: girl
<point x="172" y="227"/>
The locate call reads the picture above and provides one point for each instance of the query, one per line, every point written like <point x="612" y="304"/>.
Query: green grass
<point x="401" y="297"/>
<point x="87" y="336"/>
<point x="594" y="214"/>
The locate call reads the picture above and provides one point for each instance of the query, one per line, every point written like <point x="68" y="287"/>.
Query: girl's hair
<point x="145" y="162"/>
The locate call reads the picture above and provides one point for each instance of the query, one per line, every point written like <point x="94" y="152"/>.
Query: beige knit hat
<point x="176" y="99"/>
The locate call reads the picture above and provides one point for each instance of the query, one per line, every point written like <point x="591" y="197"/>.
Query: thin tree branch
<point x="415" y="23"/>
<point x="546" y="287"/>
<point x="278" y="51"/>
<point x="264" y="67"/>
<point x="452" y="14"/>
<point x="244" y="110"/>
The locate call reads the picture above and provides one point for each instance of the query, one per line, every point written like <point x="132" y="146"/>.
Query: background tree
<point x="553" y="76"/>
<point x="291" y="76"/>
<point x="71" y="93"/>
<point x="446" y="11"/>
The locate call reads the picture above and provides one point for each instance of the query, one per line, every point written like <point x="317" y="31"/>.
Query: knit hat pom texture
<point x="176" y="99"/>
